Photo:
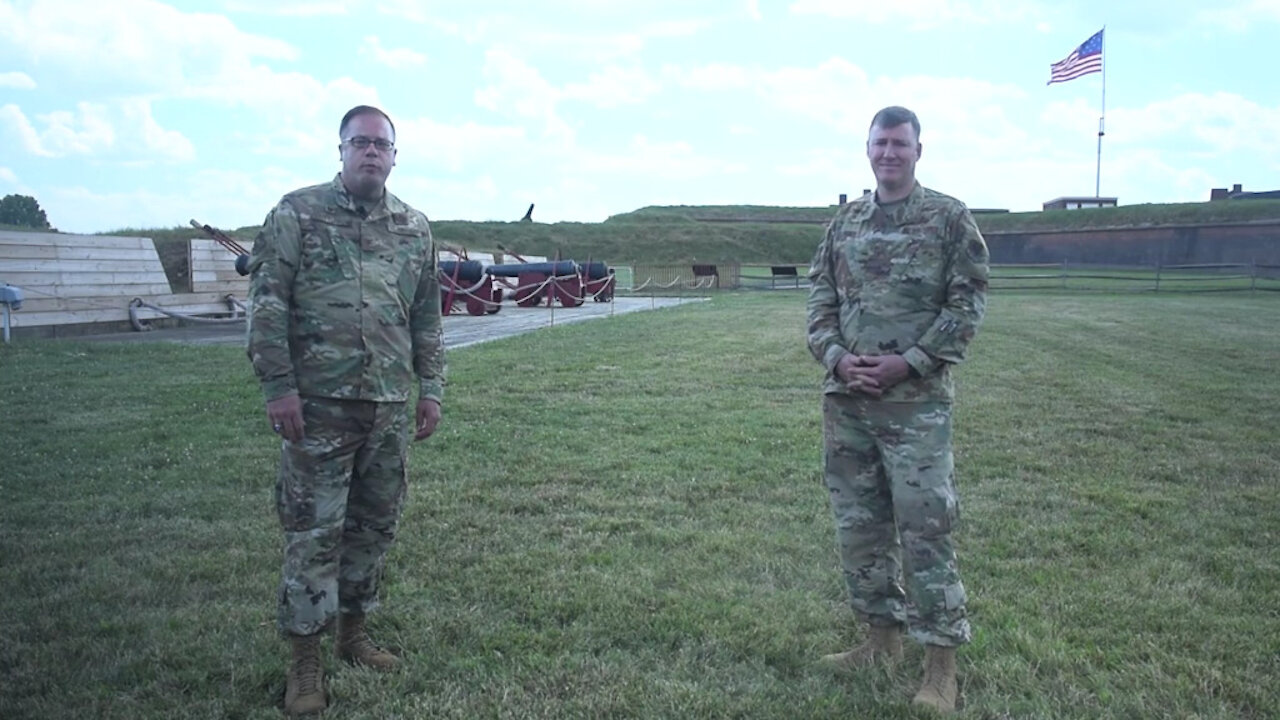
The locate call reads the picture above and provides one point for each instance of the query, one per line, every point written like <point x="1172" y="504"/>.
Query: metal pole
<point x="1102" y="119"/>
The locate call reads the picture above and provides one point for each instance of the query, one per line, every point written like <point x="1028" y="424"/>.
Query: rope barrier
<point x="608" y="285"/>
<point x="534" y="288"/>
<point x="695" y="285"/>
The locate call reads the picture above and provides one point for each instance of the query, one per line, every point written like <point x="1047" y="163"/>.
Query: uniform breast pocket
<point x="917" y="270"/>
<point x="325" y="251"/>
<point x="405" y="259"/>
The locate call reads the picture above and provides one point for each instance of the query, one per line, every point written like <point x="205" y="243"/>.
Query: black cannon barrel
<point x="469" y="271"/>
<point x="595" y="270"/>
<point x="560" y="267"/>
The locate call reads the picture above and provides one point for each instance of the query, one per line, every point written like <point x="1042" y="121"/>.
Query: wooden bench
<point x="784" y="271"/>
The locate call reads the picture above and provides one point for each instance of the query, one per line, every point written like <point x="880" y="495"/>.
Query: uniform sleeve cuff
<point x="279" y="387"/>
<point x="920" y="361"/>
<point x="431" y="389"/>
<point x="832" y="358"/>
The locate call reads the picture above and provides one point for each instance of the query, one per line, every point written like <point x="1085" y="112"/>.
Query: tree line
<point x="23" y="211"/>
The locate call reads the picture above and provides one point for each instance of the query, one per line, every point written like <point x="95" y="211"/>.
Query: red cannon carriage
<point x="465" y="284"/>
<point x="563" y="281"/>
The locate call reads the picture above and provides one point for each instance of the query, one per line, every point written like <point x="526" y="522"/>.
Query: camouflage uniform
<point x="907" y="278"/>
<point x="344" y="309"/>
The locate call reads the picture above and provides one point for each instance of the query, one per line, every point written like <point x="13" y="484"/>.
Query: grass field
<point x="624" y="518"/>
<point x="1074" y="278"/>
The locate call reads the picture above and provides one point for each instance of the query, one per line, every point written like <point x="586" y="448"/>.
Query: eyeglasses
<point x="361" y="142"/>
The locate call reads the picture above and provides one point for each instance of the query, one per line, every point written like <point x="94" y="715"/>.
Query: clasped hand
<point x="872" y="374"/>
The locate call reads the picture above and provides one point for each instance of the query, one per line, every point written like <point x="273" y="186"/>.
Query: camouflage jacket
<point x="342" y="306"/>
<point x="908" y="278"/>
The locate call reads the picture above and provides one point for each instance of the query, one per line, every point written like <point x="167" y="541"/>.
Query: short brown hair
<point x="896" y="115"/>
<point x="364" y="110"/>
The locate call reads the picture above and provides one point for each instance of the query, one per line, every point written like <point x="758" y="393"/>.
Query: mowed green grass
<point x="625" y="518"/>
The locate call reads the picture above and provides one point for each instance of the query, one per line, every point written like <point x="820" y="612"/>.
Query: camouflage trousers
<point x="339" y="496"/>
<point x="890" y="475"/>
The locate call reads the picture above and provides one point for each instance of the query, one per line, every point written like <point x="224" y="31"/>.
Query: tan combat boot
<point x="304" y="688"/>
<point x="938" y="691"/>
<point x="883" y="644"/>
<point x="355" y="646"/>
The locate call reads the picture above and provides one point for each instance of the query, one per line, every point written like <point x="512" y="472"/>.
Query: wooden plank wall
<point x="213" y="270"/>
<point x="85" y="279"/>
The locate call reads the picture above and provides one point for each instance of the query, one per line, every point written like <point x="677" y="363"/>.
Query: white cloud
<point x="416" y="11"/>
<point x="1190" y="130"/>
<point x="835" y="165"/>
<point x="1128" y="172"/>
<point x="223" y="199"/>
<point x="614" y="86"/>
<point x="146" y="49"/>
<point x="124" y="129"/>
<point x="135" y="46"/>
<point x="920" y="14"/>
<point x="442" y="199"/>
<point x="143" y="48"/>
<point x="411" y="10"/>
<point x="159" y="143"/>
<point x="17" y="81"/>
<point x="533" y="38"/>
<point x="686" y="27"/>
<point x="1222" y="122"/>
<point x="86" y="131"/>
<point x="645" y="157"/>
<point x="517" y="88"/>
<point x="425" y="144"/>
<point x="280" y="8"/>
<point x="716" y="76"/>
<point x="753" y="10"/>
<point x="395" y="58"/>
<point x="13" y="122"/>
<point x="1241" y="16"/>
<point x="841" y="95"/>
<point x="836" y="93"/>
<point x="8" y="177"/>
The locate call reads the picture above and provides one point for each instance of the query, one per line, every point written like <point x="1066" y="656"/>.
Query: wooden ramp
<point x="86" y="280"/>
<point x="76" y="284"/>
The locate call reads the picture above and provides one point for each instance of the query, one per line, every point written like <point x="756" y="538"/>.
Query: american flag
<point x="1083" y="60"/>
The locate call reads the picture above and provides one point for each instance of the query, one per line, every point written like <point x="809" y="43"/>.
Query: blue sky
<point x="143" y="113"/>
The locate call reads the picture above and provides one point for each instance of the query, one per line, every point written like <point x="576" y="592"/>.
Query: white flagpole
<point x="1102" y="119"/>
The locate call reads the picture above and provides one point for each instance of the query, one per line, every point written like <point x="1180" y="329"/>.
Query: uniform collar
<point x="910" y="199"/>
<point x="895" y="210"/>
<point x="343" y="199"/>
